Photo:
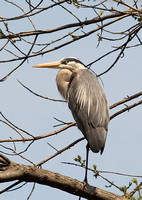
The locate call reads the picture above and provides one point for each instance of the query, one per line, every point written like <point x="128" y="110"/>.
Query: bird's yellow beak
<point x="48" y="65"/>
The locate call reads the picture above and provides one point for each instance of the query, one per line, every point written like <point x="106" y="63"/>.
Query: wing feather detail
<point x="89" y="107"/>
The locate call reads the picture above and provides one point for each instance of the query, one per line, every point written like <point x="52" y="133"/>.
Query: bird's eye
<point x="64" y="62"/>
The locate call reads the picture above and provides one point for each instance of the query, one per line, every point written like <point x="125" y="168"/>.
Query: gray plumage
<point x="85" y="98"/>
<point x="87" y="103"/>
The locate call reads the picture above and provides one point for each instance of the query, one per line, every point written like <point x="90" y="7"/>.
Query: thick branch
<point x="13" y="171"/>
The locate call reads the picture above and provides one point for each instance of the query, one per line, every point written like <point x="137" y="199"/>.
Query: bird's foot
<point x="85" y="183"/>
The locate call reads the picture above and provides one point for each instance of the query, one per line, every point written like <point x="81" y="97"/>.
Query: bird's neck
<point x="62" y="79"/>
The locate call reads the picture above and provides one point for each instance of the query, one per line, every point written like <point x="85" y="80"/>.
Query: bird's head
<point x="65" y="63"/>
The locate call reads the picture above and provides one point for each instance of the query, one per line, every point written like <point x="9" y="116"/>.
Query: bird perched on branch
<point x="86" y="100"/>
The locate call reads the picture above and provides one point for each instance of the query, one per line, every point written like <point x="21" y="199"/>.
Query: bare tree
<point x="28" y="32"/>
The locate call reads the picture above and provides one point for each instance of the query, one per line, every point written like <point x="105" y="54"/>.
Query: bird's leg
<point x="86" y="167"/>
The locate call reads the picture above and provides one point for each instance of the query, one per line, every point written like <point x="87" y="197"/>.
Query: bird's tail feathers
<point x="96" y="139"/>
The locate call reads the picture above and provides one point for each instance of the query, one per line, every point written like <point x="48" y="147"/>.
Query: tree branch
<point x="67" y="26"/>
<point x="40" y="136"/>
<point x="14" y="171"/>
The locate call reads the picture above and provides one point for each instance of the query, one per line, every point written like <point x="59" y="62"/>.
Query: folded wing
<point x="89" y="107"/>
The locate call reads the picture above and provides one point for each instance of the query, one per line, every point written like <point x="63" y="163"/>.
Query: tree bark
<point x="10" y="171"/>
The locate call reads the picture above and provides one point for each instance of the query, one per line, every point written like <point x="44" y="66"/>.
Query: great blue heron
<point x="86" y="100"/>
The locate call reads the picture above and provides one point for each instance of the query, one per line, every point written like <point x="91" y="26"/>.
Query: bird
<point x="86" y="100"/>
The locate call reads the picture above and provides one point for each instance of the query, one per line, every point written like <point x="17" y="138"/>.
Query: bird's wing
<point x="89" y="107"/>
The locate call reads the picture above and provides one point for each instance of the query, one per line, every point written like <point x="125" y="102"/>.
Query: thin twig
<point x="9" y="187"/>
<point x="25" y="58"/>
<point x="40" y="136"/>
<point x="13" y="129"/>
<point x="60" y="151"/>
<point x="16" y="127"/>
<point x="129" y="98"/>
<point x="137" y="188"/>
<point x="51" y="99"/>
<point x="125" y="109"/>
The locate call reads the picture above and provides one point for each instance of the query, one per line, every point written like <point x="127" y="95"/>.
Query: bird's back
<point x="89" y="107"/>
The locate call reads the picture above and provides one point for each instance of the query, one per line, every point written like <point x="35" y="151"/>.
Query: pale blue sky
<point x="123" y="147"/>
